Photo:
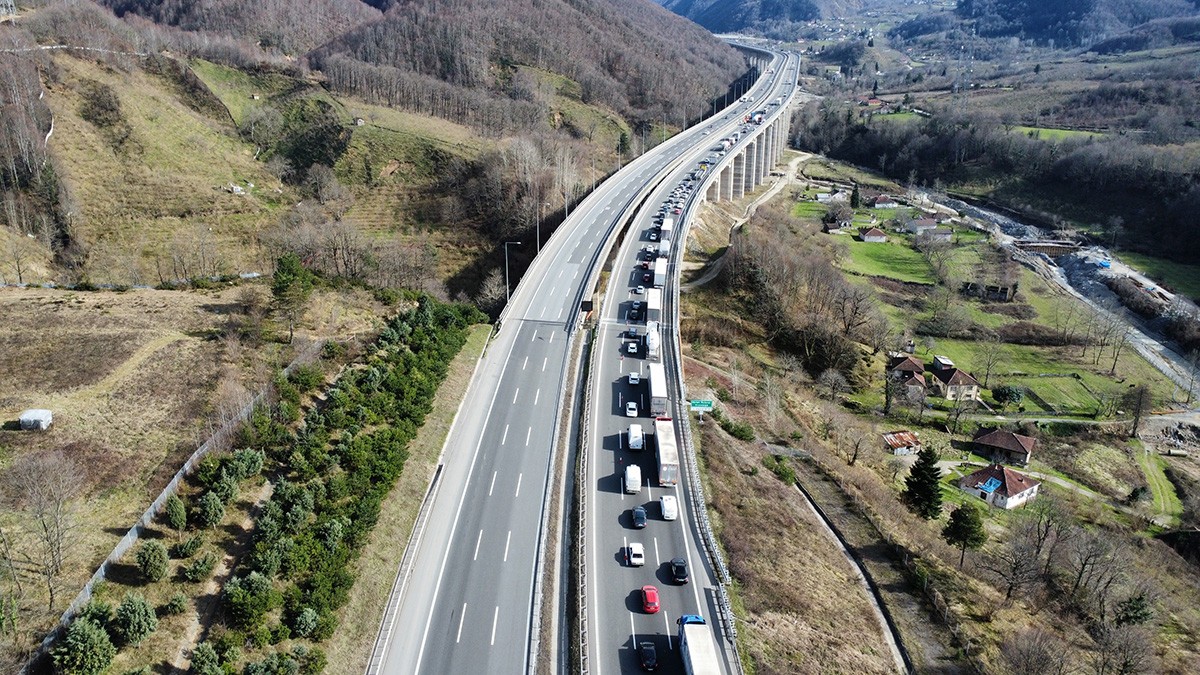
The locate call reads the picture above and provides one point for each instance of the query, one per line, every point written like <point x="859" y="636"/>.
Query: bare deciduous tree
<point x="48" y="485"/>
<point x="772" y="394"/>
<point x="832" y="383"/>
<point x="1014" y="564"/>
<point x="1035" y="652"/>
<point x="1123" y="651"/>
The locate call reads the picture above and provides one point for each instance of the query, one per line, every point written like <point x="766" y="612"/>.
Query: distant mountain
<point x="730" y="16"/>
<point x="1067" y="22"/>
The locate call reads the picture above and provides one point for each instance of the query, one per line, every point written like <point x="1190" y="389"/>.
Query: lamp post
<point x="506" y="285"/>
<point x="541" y="217"/>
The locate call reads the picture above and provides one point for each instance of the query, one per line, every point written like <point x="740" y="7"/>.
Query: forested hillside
<point x="318" y="132"/>
<point x="775" y="18"/>
<point x="1067" y="22"/>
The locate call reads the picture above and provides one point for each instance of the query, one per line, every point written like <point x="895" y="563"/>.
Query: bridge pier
<point x="739" y="176"/>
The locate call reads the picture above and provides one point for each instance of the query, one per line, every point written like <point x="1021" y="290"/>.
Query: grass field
<point x="133" y="380"/>
<point x="170" y="180"/>
<point x="891" y="259"/>
<point x="1180" y="277"/>
<point x="1050" y="134"/>
<point x="238" y="89"/>
<point x="1165" y="500"/>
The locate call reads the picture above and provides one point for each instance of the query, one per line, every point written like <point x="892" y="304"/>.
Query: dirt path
<point x="208" y="598"/>
<point x="714" y="266"/>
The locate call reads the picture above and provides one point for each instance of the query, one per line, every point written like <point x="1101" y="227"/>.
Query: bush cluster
<point x="333" y="473"/>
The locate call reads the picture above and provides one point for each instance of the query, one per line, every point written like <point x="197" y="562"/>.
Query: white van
<point x="633" y="479"/>
<point x="670" y="507"/>
<point x="636" y="440"/>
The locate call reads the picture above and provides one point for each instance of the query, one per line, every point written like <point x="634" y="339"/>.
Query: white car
<point x="639" y="290"/>
<point x="670" y="507"/>
<point x="631" y="409"/>
<point x="635" y="555"/>
<point x="631" y="348"/>
<point x="635" y="378"/>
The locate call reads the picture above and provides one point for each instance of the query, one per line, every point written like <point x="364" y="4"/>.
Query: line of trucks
<point x="697" y="646"/>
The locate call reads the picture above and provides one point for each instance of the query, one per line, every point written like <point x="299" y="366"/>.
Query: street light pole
<point x="507" y="291"/>
<point x="541" y="217"/>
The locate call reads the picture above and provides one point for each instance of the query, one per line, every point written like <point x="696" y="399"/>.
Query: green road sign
<point x="702" y="406"/>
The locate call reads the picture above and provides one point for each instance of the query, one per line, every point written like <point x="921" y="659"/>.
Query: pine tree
<point x="965" y="530"/>
<point x="855" y="198"/>
<point x="923" y="487"/>
<point x="134" y="620"/>
<point x="176" y="513"/>
<point x="291" y="286"/>
<point x="86" y="650"/>
<point x="152" y="561"/>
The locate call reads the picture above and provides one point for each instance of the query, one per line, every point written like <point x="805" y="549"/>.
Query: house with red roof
<point x="1004" y="446"/>
<point x="873" y="235"/>
<point x="955" y="384"/>
<point x="1000" y="486"/>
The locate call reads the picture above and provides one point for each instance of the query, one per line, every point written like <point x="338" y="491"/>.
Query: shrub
<point x="86" y="649"/>
<point x="98" y="612"/>
<point x="333" y="350"/>
<point x="188" y="547"/>
<point x="152" y="561"/>
<point x="134" y="620"/>
<point x="305" y="622"/>
<point x="246" y="463"/>
<point x="779" y="466"/>
<point x="306" y="378"/>
<point x="205" y="660"/>
<point x="178" y="604"/>
<point x="200" y="568"/>
<point x="248" y="599"/>
<point x="211" y="510"/>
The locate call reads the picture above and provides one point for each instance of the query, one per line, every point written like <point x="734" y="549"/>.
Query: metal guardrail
<point x="406" y="562"/>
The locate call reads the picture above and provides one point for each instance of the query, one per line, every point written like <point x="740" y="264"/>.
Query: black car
<point x="679" y="572"/>
<point x="639" y="517"/>
<point x="648" y="656"/>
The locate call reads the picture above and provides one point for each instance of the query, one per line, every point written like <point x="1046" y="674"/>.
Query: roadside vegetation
<point x="792" y="339"/>
<point x="267" y="544"/>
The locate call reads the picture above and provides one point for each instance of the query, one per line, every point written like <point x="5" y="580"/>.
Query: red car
<point x="645" y="264"/>
<point x="647" y="276"/>
<point x="650" y="599"/>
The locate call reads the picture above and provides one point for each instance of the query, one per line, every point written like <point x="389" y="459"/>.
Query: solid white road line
<point x="495" y="618"/>
<point x="477" y="542"/>
<point x="519" y="477"/>
<point x="458" y="636"/>
<point x="506" y="543"/>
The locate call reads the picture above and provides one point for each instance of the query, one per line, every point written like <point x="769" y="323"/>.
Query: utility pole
<point x="507" y="287"/>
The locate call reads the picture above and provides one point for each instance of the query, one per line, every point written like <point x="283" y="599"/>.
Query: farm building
<point x="901" y="442"/>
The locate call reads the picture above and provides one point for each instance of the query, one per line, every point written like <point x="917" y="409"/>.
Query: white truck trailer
<point x="653" y="341"/>
<point x="668" y="452"/>
<point x="698" y="647"/>
<point x="658" y="390"/>
<point x="653" y="304"/>
<point x="659" y="268"/>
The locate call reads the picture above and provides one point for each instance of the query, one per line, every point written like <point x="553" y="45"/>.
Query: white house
<point x="1000" y="486"/>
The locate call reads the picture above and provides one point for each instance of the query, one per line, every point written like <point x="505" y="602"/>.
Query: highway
<point x="467" y="600"/>
<point x="617" y="622"/>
